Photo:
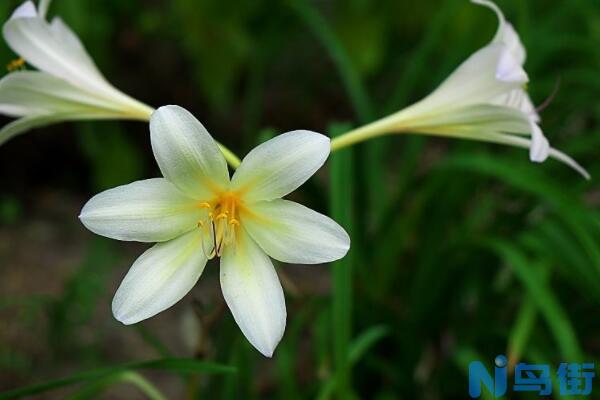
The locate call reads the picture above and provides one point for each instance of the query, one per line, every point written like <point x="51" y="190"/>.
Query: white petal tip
<point x="267" y="349"/>
<point x="492" y="6"/>
<point x="537" y="159"/>
<point x="126" y="322"/>
<point x="266" y="352"/>
<point x="346" y="249"/>
<point x="25" y="10"/>
<point x="582" y="171"/>
<point x="540" y="153"/>
<point x="121" y="316"/>
<point x="342" y="250"/>
<point x="324" y="142"/>
<point x="509" y="69"/>
<point x="540" y="147"/>
<point x="319" y="138"/>
<point x="266" y="346"/>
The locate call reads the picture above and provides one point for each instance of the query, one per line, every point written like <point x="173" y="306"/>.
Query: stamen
<point x="219" y="226"/>
<point x="550" y="98"/>
<point x="208" y="252"/>
<point x="16" y="64"/>
<point x="222" y="215"/>
<point x="214" y="235"/>
<point x="231" y="233"/>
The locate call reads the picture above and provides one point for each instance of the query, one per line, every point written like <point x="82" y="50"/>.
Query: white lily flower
<point x="67" y="85"/>
<point x="196" y="213"/>
<point x="483" y="99"/>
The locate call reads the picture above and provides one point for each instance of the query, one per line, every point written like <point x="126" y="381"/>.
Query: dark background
<point x="461" y="250"/>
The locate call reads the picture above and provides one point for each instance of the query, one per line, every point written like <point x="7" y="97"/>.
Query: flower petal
<point x="506" y="33"/>
<point x="49" y="50"/>
<point x="519" y="141"/>
<point x="509" y="69"/>
<point x="280" y="165"/>
<point x="159" y="278"/>
<point x="518" y="99"/>
<point x="25" y="10"/>
<point x="67" y="37"/>
<point x="151" y="210"/>
<point x="43" y="6"/>
<point x="482" y="117"/>
<point x="33" y="92"/>
<point x="486" y="74"/>
<point x="29" y="122"/>
<point x="186" y="153"/>
<point x="540" y="147"/>
<point x="292" y="233"/>
<point x="24" y="124"/>
<point x="253" y="293"/>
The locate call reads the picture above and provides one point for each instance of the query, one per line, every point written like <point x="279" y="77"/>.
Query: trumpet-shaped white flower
<point x="67" y="85"/>
<point x="483" y="99"/>
<point x="196" y="213"/>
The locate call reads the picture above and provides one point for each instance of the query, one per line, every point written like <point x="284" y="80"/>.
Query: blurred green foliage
<point x="461" y="251"/>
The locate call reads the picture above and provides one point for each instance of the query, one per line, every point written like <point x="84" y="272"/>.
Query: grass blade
<point x="341" y="211"/>
<point x="546" y="301"/>
<point x="168" y="364"/>
<point x="350" y="79"/>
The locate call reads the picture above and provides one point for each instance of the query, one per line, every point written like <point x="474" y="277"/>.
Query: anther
<point x="15" y="64"/>
<point x="222" y="215"/>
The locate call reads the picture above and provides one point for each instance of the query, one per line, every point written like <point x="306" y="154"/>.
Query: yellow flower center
<point x="220" y="226"/>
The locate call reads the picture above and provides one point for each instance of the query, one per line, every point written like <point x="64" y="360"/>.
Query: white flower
<point x="483" y="99"/>
<point x="196" y="213"/>
<point x="68" y="85"/>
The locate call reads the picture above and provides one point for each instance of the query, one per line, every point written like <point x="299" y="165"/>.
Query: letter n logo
<point x="479" y="376"/>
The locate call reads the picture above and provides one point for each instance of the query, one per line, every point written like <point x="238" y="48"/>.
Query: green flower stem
<point x="342" y="177"/>
<point x="361" y="134"/>
<point x="43" y="8"/>
<point x="392" y="125"/>
<point x="233" y="160"/>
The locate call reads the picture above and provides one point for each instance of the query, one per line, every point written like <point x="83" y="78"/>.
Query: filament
<point x="219" y="227"/>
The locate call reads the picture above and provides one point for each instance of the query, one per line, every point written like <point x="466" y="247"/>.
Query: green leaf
<point x="169" y="364"/>
<point x="554" y="314"/>
<point x="358" y="349"/>
<point x="366" y="340"/>
<point x="321" y="30"/>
